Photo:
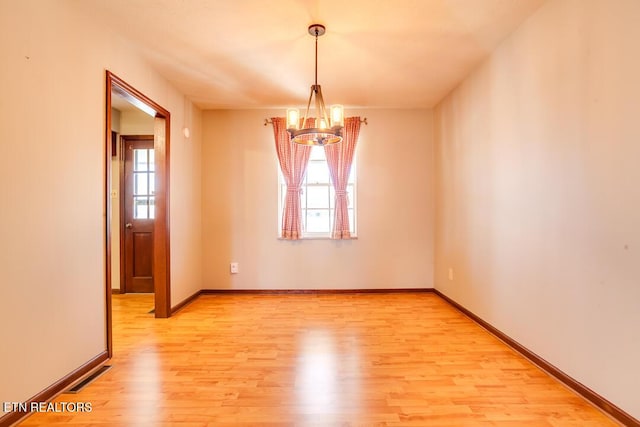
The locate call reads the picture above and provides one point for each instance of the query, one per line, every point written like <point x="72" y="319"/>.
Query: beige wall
<point x="115" y="205"/>
<point x="52" y="163"/>
<point x="186" y="202"/>
<point x="240" y="192"/>
<point x="115" y="120"/>
<point x="539" y="196"/>
<point x="136" y="122"/>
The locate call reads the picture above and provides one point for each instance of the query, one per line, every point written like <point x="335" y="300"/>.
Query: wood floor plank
<point x="316" y="359"/>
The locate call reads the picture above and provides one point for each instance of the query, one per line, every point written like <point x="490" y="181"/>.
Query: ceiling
<point x="119" y="103"/>
<point x="227" y="54"/>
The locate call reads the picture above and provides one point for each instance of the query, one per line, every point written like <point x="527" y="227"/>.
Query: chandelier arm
<point x="306" y="113"/>
<point x="318" y="107"/>
<point x="321" y="109"/>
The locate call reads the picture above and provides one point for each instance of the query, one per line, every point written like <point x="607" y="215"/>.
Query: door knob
<point x="128" y="225"/>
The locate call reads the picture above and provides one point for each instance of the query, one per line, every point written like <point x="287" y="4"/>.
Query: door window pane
<point x="152" y="183"/>
<point x="140" y="187"/>
<point x="152" y="207"/>
<point x="152" y="160"/>
<point x="140" y="160"/>
<point x="140" y="208"/>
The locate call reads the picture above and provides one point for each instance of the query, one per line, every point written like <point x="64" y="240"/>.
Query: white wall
<point x="538" y="201"/>
<point x="52" y="164"/>
<point x="240" y="198"/>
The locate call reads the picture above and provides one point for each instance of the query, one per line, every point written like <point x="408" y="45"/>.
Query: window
<point x="317" y="198"/>
<point x="144" y="184"/>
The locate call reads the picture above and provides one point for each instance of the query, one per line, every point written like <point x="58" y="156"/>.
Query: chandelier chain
<point x="316" y="57"/>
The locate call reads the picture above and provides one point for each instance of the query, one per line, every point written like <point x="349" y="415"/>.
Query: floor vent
<point x="82" y="384"/>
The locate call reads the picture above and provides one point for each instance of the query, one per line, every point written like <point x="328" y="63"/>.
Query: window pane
<point x="318" y="197"/>
<point x="140" y="208"/>
<point x="283" y="195"/>
<point x="317" y="221"/>
<point x="140" y="160"/>
<point x="152" y="207"/>
<point x="317" y="173"/>
<point x="140" y="184"/>
<point x="303" y="197"/>
<point x="352" y="173"/>
<point x="350" y="198"/>
<point x="332" y="217"/>
<point x="303" y="220"/>
<point x="317" y="153"/>
<point x="350" y="195"/>
<point x="352" y="223"/>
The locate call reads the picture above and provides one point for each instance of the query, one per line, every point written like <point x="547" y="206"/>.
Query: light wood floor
<point x="316" y="360"/>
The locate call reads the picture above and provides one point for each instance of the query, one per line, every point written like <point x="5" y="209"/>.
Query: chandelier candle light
<point x="327" y="129"/>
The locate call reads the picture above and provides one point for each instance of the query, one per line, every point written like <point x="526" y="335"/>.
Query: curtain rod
<point x="268" y="122"/>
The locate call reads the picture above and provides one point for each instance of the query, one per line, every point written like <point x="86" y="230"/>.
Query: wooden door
<point x="139" y="213"/>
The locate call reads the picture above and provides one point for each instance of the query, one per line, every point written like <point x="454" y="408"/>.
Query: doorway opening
<point x="136" y="211"/>
<point x="154" y="204"/>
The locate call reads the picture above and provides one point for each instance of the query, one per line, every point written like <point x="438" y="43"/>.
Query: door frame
<point x="161" y="252"/>
<point x="123" y="139"/>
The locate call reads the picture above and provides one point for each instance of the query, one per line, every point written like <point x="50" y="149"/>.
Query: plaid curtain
<point x="293" y="159"/>
<point x="340" y="158"/>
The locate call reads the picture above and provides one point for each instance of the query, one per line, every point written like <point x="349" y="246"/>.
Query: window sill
<point x="353" y="237"/>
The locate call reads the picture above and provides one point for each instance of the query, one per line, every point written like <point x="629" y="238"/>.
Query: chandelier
<point x="325" y="128"/>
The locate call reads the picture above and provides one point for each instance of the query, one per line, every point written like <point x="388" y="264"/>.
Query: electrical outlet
<point x="234" y="268"/>
<point x="450" y="273"/>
